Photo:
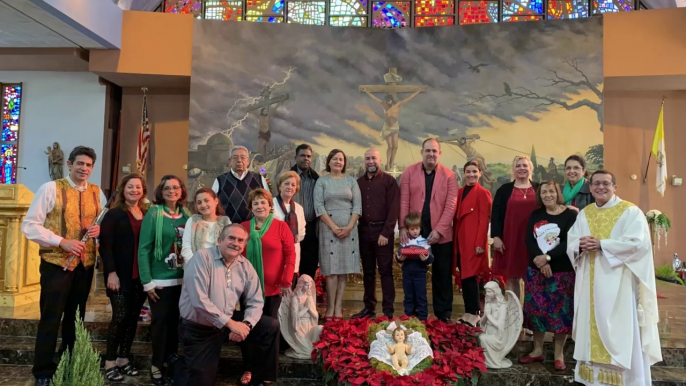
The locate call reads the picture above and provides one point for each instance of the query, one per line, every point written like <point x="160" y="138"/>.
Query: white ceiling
<point x="23" y="24"/>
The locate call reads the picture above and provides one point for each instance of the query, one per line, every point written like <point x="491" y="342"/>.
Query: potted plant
<point x="659" y="226"/>
<point x="667" y="273"/>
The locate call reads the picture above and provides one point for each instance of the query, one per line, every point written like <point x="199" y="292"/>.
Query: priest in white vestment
<point x="615" y="302"/>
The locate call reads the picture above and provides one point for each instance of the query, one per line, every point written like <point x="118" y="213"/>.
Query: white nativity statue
<point x="502" y="324"/>
<point x="398" y="349"/>
<point x="299" y="319"/>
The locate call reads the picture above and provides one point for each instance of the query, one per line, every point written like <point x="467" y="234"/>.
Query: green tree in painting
<point x="594" y="155"/>
<point x="82" y="365"/>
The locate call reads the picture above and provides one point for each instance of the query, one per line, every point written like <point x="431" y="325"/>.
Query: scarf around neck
<point x="254" y="248"/>
<point x="569" y="193"/>
<point x="290" y="217"/>
<point x="162" y="211"/>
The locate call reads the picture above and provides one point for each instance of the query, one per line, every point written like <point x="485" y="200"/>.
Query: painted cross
<point x="392" y="87"/>
<point x="265" y="101"/>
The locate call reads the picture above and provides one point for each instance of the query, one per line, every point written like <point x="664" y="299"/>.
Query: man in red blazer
<point x="430" y="188"/>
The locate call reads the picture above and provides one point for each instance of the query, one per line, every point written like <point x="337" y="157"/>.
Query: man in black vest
<point x="309" y="247"/>
<point x="232" y="188"/>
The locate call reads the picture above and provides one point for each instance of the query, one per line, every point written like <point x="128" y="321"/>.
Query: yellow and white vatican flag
<point x="660" y="155"/>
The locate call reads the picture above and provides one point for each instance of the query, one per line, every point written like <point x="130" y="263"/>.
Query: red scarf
<point x="291" y="219"/>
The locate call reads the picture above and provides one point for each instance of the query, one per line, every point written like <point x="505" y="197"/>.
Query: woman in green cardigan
<point x="160" y="266"/>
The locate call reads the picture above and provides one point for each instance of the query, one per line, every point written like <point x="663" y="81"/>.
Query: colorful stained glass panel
<point x="183" y="6"/>
<point x="603" y="6"/>
<point x="264" y="7"/>
<point x="307" y="12"/>
<point x="433" y="21"/>
<point x="10" y="105"/>
<point x="391" y="14"/>
<point x="517" y="18"/>
<point x="522" y="7"/>
<point x="264" y="19"/>
<point x="477" y="12"/>
<point x="224" y="10"/>
<point x="348" y="21"/>
<point x="348" y="7"/>
<point x="567" y="9"/>
<point x="434" y="7"/>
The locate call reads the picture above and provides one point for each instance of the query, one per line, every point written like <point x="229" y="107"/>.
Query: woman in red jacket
<point x="270" y="249"/>
<point x="471" y="222"/>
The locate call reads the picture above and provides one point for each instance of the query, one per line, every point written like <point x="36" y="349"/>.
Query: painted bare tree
<point x="513" y="94"/>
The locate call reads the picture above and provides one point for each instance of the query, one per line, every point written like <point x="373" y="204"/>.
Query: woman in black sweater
<point x="549" y="286"/>
<point x="119" y="249"/>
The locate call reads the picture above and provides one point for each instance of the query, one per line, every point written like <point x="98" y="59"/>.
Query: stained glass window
<point x="183" y="7"/>
<point x="307" y="12"/>
<point x="433" y="21"/>
<point x="224" y="10"/>
<point x="348" y="21"/>
<point x="602" y="6"/>
<point x="434" y="7"/>
<point x="10" y="105"/>
<point x="567" y="9"/>
<point x="348" y="7"/>
<point x="522" y="10"/>
<point x="391" y="14"/>
<point x="475" y="12"/>
<point x="264" y="19"/>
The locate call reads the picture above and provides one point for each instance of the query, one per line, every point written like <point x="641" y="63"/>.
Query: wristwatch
<point x="547" y="257"/>
<point x="247" y="324"/>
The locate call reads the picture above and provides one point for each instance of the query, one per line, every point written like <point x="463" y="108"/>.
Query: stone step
<point x="672" y="356"/>
<point x="20" y="375"/>
<point x="20" y="351"/>
<point x="16" y="355"/>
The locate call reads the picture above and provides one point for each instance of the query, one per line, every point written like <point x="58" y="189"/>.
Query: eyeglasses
<point x="605" y="184"/>
<point x="170" y="188"/>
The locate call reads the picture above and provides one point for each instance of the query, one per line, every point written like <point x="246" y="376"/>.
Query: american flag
<point x="143" y="139"/>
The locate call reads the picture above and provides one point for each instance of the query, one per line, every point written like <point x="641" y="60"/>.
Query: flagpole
<point x="650" y="154"/>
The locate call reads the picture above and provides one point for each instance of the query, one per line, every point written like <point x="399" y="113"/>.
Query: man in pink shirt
<point x="430" y="188"/>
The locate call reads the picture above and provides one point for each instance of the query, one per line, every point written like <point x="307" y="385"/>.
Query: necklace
<point x="523" y="190"/>
<point x="557" y="211"/>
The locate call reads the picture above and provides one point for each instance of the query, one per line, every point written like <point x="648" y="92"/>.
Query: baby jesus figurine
<point x="399" y="351"/>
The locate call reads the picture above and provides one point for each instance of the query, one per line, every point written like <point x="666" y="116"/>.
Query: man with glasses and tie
<point x="215" y="281"/>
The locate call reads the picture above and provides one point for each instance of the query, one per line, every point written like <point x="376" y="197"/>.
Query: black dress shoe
<point x="364" y="314"/>
<point x="445" y="320"/>
<point x="42" y="381"/>
<point x="388" y="314"/>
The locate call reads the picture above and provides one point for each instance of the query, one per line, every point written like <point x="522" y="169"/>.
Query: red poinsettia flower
<point x="343" y="348"/>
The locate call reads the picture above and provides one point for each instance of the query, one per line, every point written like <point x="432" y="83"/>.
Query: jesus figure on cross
<point x="391" y="127"/>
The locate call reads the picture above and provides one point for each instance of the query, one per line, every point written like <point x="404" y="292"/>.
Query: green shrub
<point x="82" y="366"/>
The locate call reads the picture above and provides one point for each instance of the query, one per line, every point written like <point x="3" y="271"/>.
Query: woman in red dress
<point x="512" y="207"/>
<point x="471" y="239"/>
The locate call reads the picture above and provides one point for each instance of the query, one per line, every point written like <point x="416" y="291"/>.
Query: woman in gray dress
<point x="338" y="204"/>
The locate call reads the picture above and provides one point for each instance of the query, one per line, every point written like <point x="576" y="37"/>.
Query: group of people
<point x="220" y="272"/>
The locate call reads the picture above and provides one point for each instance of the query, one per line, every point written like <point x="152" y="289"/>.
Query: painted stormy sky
<point x="233" y="60"/>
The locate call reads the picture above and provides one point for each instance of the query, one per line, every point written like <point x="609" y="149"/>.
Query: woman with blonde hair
<point x="512" y="207"/>
<point x="118" y="248"/>
<point x="289" y="211"/>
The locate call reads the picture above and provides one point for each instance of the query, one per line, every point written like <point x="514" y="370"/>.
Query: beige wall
<point x="168" y="115"/>
<point x="630" y="121"/>
<point x="644" y="43"/>
<point x="152" y="43"/>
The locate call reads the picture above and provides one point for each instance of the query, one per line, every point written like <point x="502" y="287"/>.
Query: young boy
<point x="415" y="256"/>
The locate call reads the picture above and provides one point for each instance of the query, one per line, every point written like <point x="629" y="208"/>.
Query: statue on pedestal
<point x="502" y="324"/>
<point x="55" y="161"/>
<point x="299" y="319"/>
